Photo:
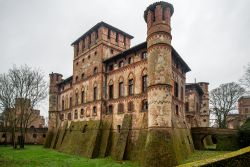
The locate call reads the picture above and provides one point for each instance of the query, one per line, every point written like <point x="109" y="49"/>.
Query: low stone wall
<point x="237" y="158"/>
<point x="32" y="136"/>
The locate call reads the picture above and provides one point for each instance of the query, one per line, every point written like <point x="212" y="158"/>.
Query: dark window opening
<point x="121" y="64"/>
<point x="129" y="60"/>
<point x="95" y="93"/>
<point x="112" y="51"/>
<point x="131" y="87"/>
<point x="97" y="35"/>
<point x="110" y="91"/>
<point x="182" y="94"/>
<point x="121" y="89"/>
<point x="34" y="136"/>
<point x="62" y="117"/>
<point x="83" y="75"/>
<point x="83" y="97"/>
<point x="108" y="33"/>
<point x="70" y="102"/>
<point x="176" y="89"/>
<point x="76" y="114"/>
<point x="144" y="105"/>
<point x="94" y="111"/>
<point x="44" y="135"/>
<point x="3" y="135"/>
<point x="120" y="108"/>
<point x="116" y="37"/>
<point x="69" y="116"/>
<point x="111" y="67"/>
<point x="95" y="70"/>
<point x="177" y="110"/>
<point x="144" y="83"/>
<point x="130" y="106"/>
<point x="110" y="109"/>
<point x="124" y="40"/>
<point x="76" y="100"/>
<point x="76" y="78"/>
<point x="187" y="107"/>
<point x="81" y="113"/>
<point x="62" y="104"/>
<point x="119" y="128"/>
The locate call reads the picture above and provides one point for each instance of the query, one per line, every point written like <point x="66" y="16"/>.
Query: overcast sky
<point x="212" y="36"/>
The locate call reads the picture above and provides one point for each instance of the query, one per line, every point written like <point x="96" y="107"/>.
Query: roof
<point x="196" y="86"/>
<point x="65" y="81"/>
<point x="144" y="45"/>
<point x="100" y="24"/>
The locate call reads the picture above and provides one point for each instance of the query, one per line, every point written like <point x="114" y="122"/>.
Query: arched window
<point x="111" y="89"/>
<point x="76" y="100"/>
<point x="94" y="113"/>
<point x="131" y="87"/>
<point x="83" y="75"/>
<point x="76" y="78"/>
<point x="144" y="83"/>
<point x="120" y="108"/>
<point x="62" y="104"/>
<point x="61" y="117"/>
<point x="144" y="105"/>
<point x="121" y="87"/>
<point x="82" y="113"/>
<point x="76" y="115"/>
<point x="95" y="93"/>
<point x="83" y="96"/>
<point x="130" y="106"/>
<point x="110" y="109"/>
<point x="95" y="70"/>
<point x="69" y="116"/>
<point x="121" y="64"/>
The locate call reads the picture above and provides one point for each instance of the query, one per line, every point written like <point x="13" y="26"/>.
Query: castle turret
<point x="159" y="146"/>
<point x="55" y="78"/>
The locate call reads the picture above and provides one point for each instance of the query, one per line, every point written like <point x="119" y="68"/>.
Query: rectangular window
<point x="176" y="89"/>
<point x="62" y="104"/>
<point x="129" y="60"/>
<point x="110" y="91"/>
<point x="182" y="94"/>
<point x="76" y="100"/>
<point x="111" y="67"/>
<point x="70" y="102"/>
<point x="144" y="83"/>
<point x="131" y="87"/>
<point x="95" y="93"/>
<point x="187" y="107"/>
<point x="116" y="37"/>
<point x="121" y="89"/>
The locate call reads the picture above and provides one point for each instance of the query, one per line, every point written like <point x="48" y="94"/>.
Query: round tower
<point x="159" y="150"/>
<point x="157" y="17"/>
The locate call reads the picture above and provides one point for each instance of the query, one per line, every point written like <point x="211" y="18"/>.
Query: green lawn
<point x="203" y="154"/>
<point x="37" y="156"/>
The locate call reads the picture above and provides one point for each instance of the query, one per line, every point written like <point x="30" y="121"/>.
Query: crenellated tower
<point x="55" y="78"/>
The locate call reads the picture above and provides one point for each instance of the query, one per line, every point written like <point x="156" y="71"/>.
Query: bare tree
<point x="21" y="89"/>
<point x="245" y="80"/>
<point x="223" y="100"/>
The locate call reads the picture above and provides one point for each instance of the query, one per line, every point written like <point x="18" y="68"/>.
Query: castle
<point x="127" y="102"/>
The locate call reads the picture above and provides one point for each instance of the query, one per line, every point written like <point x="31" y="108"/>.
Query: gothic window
<point x="144" y="83"/>
<point x="81" y="113"/>
<point x="144" y="105"/>
<point x="124" y="40"/>
<point x="144" y="55"/>
<point x="116" y="37"/>
<point x="121" y="89"/>
<point x="62" y="104"/>
<point x="76" y="100"/>
<point x="121" y="64"/>
<point x="182" y="94"/>
<point x="131" y="87"/>
<point x="76" y="114"/>
<point x="95" y="93"/>
<point x="76" y="78"/>
<point x="82" y="99"/>
<point x="111" y="91"/>
<point x="130" y="106"/>
<point x="69" y="116"/>
<point x="119" y="128"/>
<point x="110" y="109"/>
<point x="120" y="108"/>
<point x="96" y="34"/>
<point x="94" y="111"/>
<point x="70" y="102"/>
<point x="95" y="70"/>
<point x="108" y="33"/>
<point x="62" y="117"/>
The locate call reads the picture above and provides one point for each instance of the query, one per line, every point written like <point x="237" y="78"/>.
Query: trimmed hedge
<point x="244" y="134"/>
<point x="233" y="159"/>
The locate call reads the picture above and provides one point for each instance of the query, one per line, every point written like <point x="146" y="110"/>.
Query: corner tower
<point x="159" y="145"/>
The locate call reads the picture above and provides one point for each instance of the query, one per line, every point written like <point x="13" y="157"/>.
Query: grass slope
<point x="37" y="156"/>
